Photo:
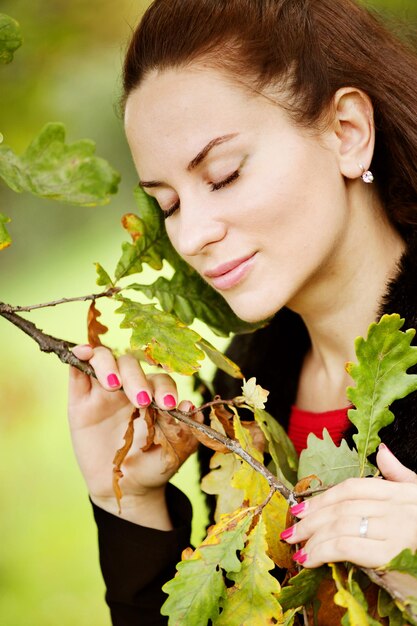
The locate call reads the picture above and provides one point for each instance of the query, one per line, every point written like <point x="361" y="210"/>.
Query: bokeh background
<point x="68" y="70"/>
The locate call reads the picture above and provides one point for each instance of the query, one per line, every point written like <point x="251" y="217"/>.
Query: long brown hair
<point x="313" y="48"/>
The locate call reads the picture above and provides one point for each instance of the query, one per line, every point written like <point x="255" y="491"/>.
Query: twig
<point x="7" y="308"/>
<point x="234" y="446"/>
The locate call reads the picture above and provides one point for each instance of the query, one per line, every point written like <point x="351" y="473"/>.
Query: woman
<point x="255" y="124"/>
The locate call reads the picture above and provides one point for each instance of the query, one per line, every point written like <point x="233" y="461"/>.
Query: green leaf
<point x="186" y="295"/>
<point x="405" y="562"/>
<point x="5" y="239"/>
<point x="252" y="601"/>
<point x="302" y="588"/>
<point x="50" y="168"/>
<point x="166" y="341"/>
<point x="194" y="594"/>
<point x="380" y="376"/>
<point x="197" y="589"/>
<point x="220" y="360"/>
<point x="103" y="279"/>
<point x="10" y="38"/>
<point x="388" y="608"/>
<point x="280" y="447"/>
<point x="332" y="464"/>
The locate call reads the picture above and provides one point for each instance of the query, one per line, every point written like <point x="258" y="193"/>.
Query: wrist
<point x="148" y="510"/>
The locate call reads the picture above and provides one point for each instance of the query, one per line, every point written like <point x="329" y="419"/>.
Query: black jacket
<point x="136" y="561"/>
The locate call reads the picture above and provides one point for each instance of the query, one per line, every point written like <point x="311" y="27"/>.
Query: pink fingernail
<point x="170" y="401"/>
<point x="298" y="508"/>
<point x="300" y="557"/>
<point x="287" y="533"/>
<point x="143" y="398"/>
<point x="113" y="381"/>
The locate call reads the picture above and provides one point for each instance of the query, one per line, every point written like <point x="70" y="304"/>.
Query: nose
<point x="198" y="228"/>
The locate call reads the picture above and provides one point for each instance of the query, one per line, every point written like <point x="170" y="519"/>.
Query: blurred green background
<point x="68" y="70"/>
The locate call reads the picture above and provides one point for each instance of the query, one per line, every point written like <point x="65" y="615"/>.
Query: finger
<point x="106" y="369"/>
<point x="79" y="382"/>
<point x="391" y="468"/>
<point x="355" y="489"/>
<point x="337" y="517"/>
<point x="164" y="391"/>
<point x="187" y="407"/>
<point x="83" y="352"/>
<point x="363" y="552"/>
<point x="135" y="384"/>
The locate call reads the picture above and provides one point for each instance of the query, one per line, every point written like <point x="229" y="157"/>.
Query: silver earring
<point x="367" y="175"/>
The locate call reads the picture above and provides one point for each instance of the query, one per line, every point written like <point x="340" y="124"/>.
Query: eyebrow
<point x="149" y="184"/>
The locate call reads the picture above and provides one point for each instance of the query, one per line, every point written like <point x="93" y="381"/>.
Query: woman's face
<point x="253" y="203"/>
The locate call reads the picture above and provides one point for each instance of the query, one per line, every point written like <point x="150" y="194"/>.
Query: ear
<point x="355" y="130"/>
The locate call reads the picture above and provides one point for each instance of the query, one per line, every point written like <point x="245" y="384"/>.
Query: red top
<point x="302" y="423"/>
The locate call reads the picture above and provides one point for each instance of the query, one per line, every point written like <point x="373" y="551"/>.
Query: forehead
<point x="176" y="111"/>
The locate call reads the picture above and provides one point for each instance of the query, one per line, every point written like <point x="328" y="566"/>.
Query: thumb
<point x="391" y="468"/>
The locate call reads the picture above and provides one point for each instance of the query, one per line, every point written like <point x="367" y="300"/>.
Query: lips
<point x="229" y="274"/>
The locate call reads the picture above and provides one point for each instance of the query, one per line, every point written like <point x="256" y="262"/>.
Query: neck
<point x="343" y="302"/>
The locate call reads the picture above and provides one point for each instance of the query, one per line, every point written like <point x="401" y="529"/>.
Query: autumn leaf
<point x="332" y="464"/>
<point x="380" y="377"/>
<point x="95" y="328"/>
<point x="256" y="490"/>
<point x="220" y="360"/>
<point x="252" y="601"/>
<point x="103" y="279"/>
<point x="195" y="594"/>
<point x="218" y="483"/>
<point x="51" y="168"/>
<point x="355" y="602"/>
<point x="405" y="562"/>
<point x="10" y="38"/>
<point x="164" y="339"/>
<point x="253" y="395"/>
<point x="280" y="447"/>
<point x="388" y="608"/>
<point x="302" y="588"/>
<point x="5" y="239"/>
<point x="175" y="440"/>
<point x="120" y="456"/>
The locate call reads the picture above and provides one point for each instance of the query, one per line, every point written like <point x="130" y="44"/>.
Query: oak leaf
<point x="5" y="239"/>
<point x="10" y="38"/>
<point x="195" y="594"/>
<point x="51" y="168"/>
<point x="381" y="377"/>
<point x="120" y="456"/>
<point x="94" y="327"/>
<point x="252" y="601"/>
<point x="331" y="463"/>
<point x="163" y="338"/>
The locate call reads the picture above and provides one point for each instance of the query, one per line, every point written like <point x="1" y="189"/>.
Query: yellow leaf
<point x="343" y="598"/>
<point x="218" y="483"/>
<point x="253" y="394"/>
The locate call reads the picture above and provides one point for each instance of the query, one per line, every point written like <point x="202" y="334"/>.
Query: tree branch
<point x="7" y="308"/>
<point x="47" y="343"/>
<point x="234" y="446"/>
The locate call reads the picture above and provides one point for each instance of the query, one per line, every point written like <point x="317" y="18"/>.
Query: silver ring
<point x="363" y="527"/>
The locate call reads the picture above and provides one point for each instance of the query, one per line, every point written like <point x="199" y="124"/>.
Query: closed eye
<point x="213" y="187"/>
<point x="226" y="181"/>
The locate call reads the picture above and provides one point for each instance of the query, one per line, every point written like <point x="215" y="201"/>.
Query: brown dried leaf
<point x="328" y="613"/>
<point x="151" y="415"/>
<point x="175" y="440"/>
<point x="305" y="483"/>
<point x="120" y="456"/>
<point x="94" y="327"/>
<point x="258" y="438"/>
<point x="225" y="417"/>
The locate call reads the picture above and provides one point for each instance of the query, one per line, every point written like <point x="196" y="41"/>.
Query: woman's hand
<point x="99" y="412"/>
<point x="366" y="521"/>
